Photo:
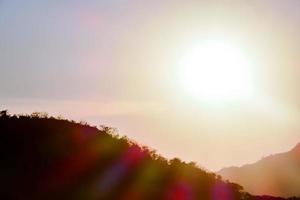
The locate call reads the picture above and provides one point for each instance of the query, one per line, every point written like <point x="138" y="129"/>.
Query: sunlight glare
<point x="216" y="72"/>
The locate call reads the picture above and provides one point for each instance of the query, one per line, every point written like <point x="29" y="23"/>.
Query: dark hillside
<point x="48" y="158"/>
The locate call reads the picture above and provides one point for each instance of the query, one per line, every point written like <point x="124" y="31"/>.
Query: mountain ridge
<point x="48" y="158"/>
<point x="276" y="174"/>
<point x="296" y="149"/>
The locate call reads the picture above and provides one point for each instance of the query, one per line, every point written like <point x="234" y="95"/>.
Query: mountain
<point x="47" y="158"/>
<point x="277" y="175"/>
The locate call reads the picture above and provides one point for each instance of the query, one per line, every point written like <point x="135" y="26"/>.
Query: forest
<point x="54" y="158"/>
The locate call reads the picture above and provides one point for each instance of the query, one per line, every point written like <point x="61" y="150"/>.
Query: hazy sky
<point x="115" y="62"/>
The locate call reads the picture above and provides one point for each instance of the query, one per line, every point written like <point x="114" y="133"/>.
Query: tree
<point x="3" y="113"/>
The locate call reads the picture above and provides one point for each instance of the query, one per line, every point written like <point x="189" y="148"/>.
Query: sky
<point x="115" y="63"/>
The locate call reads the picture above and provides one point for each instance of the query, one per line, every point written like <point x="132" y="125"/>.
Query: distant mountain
<point x="277" y="175"/>
<point x="47" y="158"/>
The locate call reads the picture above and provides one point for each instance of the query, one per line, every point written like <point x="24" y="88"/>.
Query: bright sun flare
<point x="216" y="72"/>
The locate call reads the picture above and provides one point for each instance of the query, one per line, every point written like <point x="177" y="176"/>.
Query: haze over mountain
<point x="277" y="175"/>
<point x="212" y="82"/>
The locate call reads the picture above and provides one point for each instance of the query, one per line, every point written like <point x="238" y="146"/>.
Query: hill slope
<point x="277" y="175"/>
<point x="47" y="158"/>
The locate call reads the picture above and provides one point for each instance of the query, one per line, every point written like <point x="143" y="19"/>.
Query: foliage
<point x="47" y="158"/>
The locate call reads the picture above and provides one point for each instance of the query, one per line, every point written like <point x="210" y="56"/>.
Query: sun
<point x="216" y="71"/>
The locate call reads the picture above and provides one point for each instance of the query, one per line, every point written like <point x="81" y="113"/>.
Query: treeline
<point x="53" y="158"/>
